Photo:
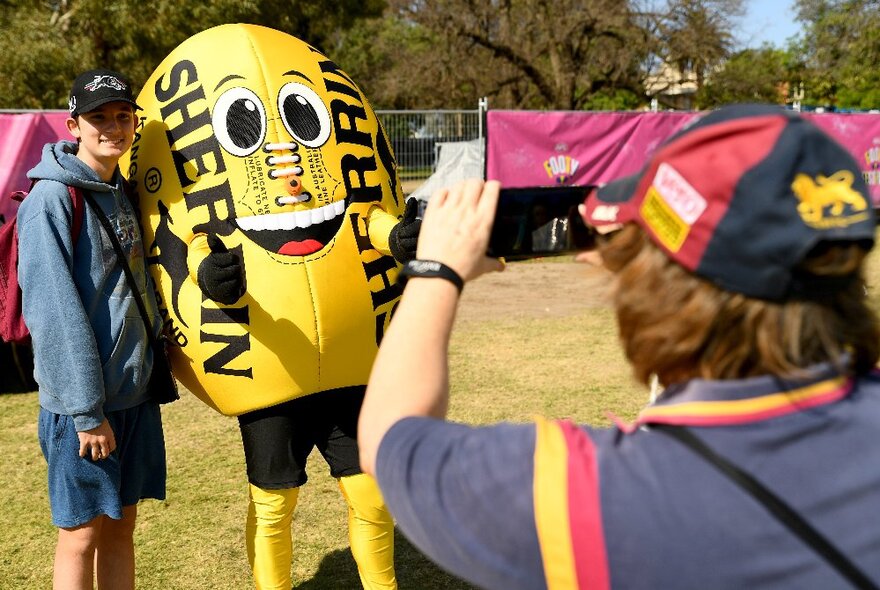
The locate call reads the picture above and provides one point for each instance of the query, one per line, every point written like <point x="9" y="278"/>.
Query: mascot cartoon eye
<point x="239" y="121"/>
<point x="304" y="114"/>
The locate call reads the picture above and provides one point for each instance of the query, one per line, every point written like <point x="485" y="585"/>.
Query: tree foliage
<point x="431" y="54"/>
<point x="567" y="54"/>
<point x="694" y="37"/>
<point x="525" y="53"/>
<point x="398" y="66"/>
<point x="46" y="44"/>
<point x="750" y="75"/>
<point x="839" y="51"/>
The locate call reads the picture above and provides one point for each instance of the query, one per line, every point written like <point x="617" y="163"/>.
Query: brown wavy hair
<point x="679" y="326"/>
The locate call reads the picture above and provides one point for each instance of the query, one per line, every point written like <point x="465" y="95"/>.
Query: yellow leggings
<point x="370" y="533"/>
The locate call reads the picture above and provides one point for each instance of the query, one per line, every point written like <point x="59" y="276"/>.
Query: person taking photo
<point x="738" y="258"/>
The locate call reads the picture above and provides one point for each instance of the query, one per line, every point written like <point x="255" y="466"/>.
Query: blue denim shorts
<point x="81" y="489"/>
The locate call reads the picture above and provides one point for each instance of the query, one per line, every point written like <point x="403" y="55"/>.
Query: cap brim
<point x="606" y="205"/>
<point x="88" y="108"/>
<point x="619" y="191"/>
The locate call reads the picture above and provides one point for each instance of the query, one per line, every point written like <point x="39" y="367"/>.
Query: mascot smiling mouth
<point x="294" y="233"/>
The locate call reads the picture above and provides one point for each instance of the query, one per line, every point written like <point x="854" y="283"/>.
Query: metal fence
<point x="415" y="136"/>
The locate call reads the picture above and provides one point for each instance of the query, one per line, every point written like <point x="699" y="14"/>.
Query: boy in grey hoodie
<point x="100" y="432"/>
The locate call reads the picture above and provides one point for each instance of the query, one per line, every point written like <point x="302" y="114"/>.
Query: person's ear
<point x="135" y="118"/>
<point x="73" y="127"/>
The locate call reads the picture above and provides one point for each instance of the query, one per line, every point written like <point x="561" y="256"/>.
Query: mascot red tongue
<point x="301" y="248"/>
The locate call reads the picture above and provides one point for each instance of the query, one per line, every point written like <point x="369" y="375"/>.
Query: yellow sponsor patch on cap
<point x="665" y="223"/>
<point x="671" y="206"/>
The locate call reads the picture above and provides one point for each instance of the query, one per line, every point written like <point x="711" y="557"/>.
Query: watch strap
<point x="429" y="269"/>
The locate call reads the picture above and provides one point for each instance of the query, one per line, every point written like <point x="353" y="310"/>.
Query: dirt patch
<point x="545" y="288"/>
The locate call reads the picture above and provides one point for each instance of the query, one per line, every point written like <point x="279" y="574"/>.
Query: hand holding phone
<point x="455" y="230"/>
<point x="539" y="221"/>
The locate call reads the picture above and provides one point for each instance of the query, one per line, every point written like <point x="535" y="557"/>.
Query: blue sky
<point x="770" y="21"/>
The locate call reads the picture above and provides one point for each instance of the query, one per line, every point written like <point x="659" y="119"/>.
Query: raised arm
<point x="410" y="376"/>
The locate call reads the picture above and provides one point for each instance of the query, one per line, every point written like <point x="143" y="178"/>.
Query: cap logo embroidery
<point x="104" y="82"/>
<point x="671" y="207"/>
<point x="823" y="200"/>
<point x="678" y="193"/>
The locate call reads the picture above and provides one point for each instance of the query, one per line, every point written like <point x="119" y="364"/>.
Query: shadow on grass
<point x="339" y="572"/>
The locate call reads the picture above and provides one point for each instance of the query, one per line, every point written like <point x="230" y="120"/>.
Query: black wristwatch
<point x="429" y="269"/>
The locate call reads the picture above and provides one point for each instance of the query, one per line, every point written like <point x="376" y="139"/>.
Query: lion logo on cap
<point x="831" y="193"/>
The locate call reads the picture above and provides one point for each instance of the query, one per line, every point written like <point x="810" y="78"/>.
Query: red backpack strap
<point x="20" y="195"/>
<point x="76" y="197"/>
<point x="78" y="206"/>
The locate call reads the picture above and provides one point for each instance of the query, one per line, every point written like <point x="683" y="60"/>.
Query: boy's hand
<point x="98" y="442"/>
<point x="457" y="225"/>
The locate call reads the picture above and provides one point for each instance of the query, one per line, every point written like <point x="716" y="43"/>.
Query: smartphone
<point x="540" y="221"/>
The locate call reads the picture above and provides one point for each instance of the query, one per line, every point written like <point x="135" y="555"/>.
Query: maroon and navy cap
<point x="742" y="196"/>
<point x="97" y="87"/>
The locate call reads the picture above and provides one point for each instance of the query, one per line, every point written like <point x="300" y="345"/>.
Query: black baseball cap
<point x="742" y="196"/>
<point x="93" y="88"/>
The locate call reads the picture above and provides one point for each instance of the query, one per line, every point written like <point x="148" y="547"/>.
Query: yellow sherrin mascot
<point x="276" y="225"/>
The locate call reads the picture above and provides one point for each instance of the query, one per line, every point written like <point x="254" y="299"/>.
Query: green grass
<point x="195" y="539"/>
<point x="501" y="369"/>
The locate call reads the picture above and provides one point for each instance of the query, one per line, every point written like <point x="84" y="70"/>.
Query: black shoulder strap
<point x="123" y="261"/>
<point x="774" y="504"/>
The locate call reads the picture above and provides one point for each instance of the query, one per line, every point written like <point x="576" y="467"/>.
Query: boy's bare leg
<point x="75" y="556"/>
<point x="115" y="552"/>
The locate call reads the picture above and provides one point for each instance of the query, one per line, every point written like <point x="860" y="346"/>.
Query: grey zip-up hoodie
<point x="91" y="351"/>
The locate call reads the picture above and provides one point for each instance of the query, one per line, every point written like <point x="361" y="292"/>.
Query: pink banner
<point x="536" y="148"/>
<point x="524" y="148"/>
<point x="860" y="134"/>
<point x="22" y="136"/>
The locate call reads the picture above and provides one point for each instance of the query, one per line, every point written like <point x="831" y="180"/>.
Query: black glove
<point x="221" y="273"/>
<point x="405" y="235"/>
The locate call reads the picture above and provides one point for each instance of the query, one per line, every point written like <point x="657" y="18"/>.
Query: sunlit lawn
<point x="501" y="370"/>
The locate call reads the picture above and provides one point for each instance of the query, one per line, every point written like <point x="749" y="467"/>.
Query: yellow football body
<point x="251" y="135"/>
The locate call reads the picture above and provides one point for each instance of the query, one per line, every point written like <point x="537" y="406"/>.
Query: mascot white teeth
<point x="276" y="226"/>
